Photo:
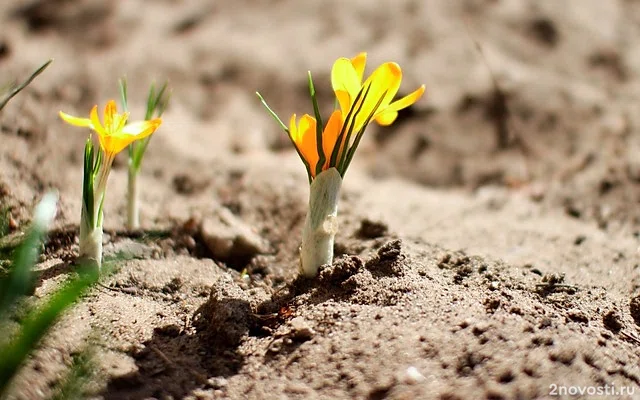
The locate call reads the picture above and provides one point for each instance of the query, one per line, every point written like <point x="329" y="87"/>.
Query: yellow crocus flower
<point x="114" y="134"/>
<point x="328" y="151"/>
<point x="383" y="84"/>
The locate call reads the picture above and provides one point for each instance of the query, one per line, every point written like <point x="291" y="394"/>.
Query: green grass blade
<point x="347" y="128"/>
<point x="284" y="127"/>
<point x="322" y="158"/>
<point x="151" y="102"/>
<point x="272" y="113"/>
<point x="24" y="84"/>
<point x="5" y="213"/>
<point x="356" y="142"/>
<point x="122" y="84"/>
<point x="89" y="174"/>
<point x="20" y="278"/>
<point x="38" y="322"/>
<point x="355" y="110"/>
<point x="81" y="372"/>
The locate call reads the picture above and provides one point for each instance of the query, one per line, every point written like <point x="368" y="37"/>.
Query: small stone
<point x="371" y="229"/>
<point x="634" y="309"/>
<point x="12" y="224"/>
<point x="413" y="376"/>
<point x="228" y="237"/>
<point x="612" y="321"/>
<point x="228" y="312"/>
<point x="300" y="329"/>
<point x="297" y="388"/>
<point x="130" y="249"/>
<point x="201" y="394"/>
<point x="217" y="382"/>
<point x="563" y="355"/>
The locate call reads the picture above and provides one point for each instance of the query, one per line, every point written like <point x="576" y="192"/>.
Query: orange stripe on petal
<point x="359" y="62"/>
<point x="110" y="116"/>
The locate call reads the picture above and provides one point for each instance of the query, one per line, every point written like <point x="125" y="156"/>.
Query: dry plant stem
<point x="321" y="224"/>
<point x="133" y="213"/>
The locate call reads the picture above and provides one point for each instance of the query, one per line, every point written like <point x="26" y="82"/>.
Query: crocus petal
<point x="384" y="80"/>
<point x="407" y="100"/>
<point x="388" y="115"/>
<point x="382" y="85"/>
<point x="386" y="118"/>
<point x="293" y="129"/>
<point x="76" y="121"/>
<point x="345" y="82"/>
<point x="95" y="121"/>
<point x="359" y="62"/>
<point x="330" y="136"/>
<point x="304" y="137"/>
<point x="140" y="129"/>
<point x="308" y="146"/>
<point x="114" y="144"/>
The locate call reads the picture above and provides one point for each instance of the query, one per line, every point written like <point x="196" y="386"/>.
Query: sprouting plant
<point x="15" y="346"/>
<point x="16" y="88"/>
<point x="113" y="135"/>
<point x="327" y="152"/>
<point x="157" y="102"/>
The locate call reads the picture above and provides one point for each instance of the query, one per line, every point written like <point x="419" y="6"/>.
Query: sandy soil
<point x="489" y="239"/>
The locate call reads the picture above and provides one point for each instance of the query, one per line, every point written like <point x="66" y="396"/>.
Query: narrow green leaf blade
<point x="24" y="84"/>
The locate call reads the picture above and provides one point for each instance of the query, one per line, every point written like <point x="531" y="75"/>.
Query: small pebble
<point x="217" y="382"/>
<point x="412" y="376"/>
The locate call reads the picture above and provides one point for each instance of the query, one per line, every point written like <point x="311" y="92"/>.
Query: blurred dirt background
<point x="489" y="238"/>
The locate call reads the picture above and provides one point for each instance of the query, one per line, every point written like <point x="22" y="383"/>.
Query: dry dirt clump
<point x="488" y="243"/>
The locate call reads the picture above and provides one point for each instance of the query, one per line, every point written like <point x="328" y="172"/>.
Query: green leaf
<point x="157" y="103"/>
<point x="350" y="121"/>
<point x="20" y="279"/>
<point x="319" y="126"/>
<point x="24" y="84"/>
<point x="89" y="174"/>
<point x="122" y="84"/>
<point x="38" y="322"/>
<point x="80" y="373"/>
<point x="356" y="142"/>
<point x="284" y="127"/>
<point x="272" y="113"/>
<point x="5" y="214"/>
<point x="347" y="129"/>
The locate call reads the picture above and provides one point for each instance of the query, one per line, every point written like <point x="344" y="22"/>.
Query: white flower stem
<point x="90" y="240"/>
<point x="321" y="224"/>
<point x="133" y="207"/>
<point x="91" y="230"/>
